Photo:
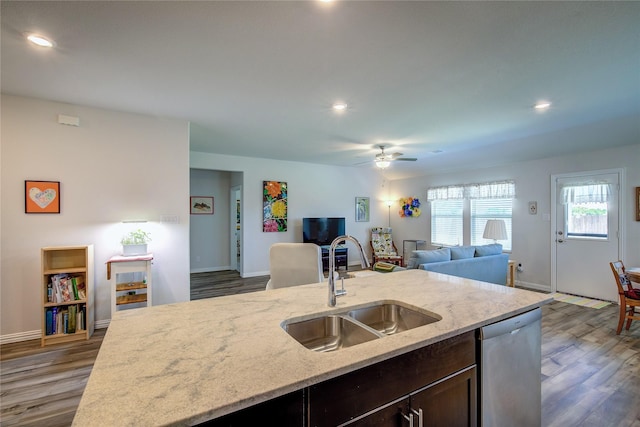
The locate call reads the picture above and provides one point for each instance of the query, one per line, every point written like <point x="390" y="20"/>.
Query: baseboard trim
<point x="534" y="286"/>
<point x="102" y="324"/>
<point x="20" y="336"/>
<point x="210" y="269"/>
<point x="255" y="274"/>
<point x="36" y="335"/>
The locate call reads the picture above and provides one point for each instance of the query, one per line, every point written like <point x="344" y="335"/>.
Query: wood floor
<point x="590" y="376"/>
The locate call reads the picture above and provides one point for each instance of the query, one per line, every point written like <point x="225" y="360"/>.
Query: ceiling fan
<point x="383" y="160"/>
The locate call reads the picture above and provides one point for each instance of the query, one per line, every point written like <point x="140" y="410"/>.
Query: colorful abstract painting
<point x="274" y="206"/>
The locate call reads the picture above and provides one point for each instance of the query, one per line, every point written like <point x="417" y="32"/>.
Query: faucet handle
<point x="342" y="291"/>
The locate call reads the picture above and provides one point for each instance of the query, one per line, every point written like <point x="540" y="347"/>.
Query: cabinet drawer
<point x="340" y="399"/>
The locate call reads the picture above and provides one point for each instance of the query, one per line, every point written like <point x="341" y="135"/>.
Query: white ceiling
<point x="259" y="78"/>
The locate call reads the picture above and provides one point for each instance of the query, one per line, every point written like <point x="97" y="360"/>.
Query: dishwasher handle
<point x="510" y="325"/>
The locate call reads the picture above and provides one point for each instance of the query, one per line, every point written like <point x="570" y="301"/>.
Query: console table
<point x="342" y="257"/>
<point x="130" y="281"/>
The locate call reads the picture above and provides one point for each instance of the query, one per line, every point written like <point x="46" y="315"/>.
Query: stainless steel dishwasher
<point x="510" y="361"/>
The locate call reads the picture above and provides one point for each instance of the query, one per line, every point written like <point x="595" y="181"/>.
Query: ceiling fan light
<point x="382" y="164"/>
<point x="40" y="40"/>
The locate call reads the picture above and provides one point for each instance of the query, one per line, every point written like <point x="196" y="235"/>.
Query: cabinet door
<point x="391" y="415"/>
<point x="450" y="402"/>
<point x="347" y="397"/>
<point x="285" y="411"/>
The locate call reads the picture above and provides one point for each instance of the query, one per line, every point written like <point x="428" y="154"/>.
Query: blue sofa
<point x="486" y="263"/>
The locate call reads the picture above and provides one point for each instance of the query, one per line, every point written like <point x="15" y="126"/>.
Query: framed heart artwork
<point x="42" y="197"/>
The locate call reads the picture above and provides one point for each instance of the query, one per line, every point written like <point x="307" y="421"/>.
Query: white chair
<point x="292" y="264"/>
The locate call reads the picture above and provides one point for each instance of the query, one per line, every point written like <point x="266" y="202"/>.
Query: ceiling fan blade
<point x="406" y="159"/>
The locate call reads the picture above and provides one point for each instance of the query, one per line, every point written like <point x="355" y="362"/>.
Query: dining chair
<point x="292" y="264"/>
<point x="629" y="297"/>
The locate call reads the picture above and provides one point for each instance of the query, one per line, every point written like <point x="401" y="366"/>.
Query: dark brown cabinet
<point x="446" y="403"/>
<point x="283" y="411"/>
<point x="439" y="379"/>
<point x="434" y="384"/>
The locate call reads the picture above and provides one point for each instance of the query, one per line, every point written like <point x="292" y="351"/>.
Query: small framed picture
<point x="201" y="205"/>
<point x="42" y="197"/>
<point x="362" y="209"/>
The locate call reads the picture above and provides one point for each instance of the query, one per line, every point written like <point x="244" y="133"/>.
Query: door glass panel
<point x="587" y="220"/>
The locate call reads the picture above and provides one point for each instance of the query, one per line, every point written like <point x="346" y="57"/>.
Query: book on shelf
<point x="68" y="320"/>
<point x="71" y="322"/>
<point x="54" y="323"/>
<point x="57" y="289"/>
<point x="67" y="288"/>
<point x="49" y="322"/>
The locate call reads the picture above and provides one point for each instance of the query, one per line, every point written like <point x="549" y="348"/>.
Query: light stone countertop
<point x="185" y="363"/>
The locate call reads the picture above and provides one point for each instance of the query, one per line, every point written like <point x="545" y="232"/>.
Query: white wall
<point x="532" y="237"/>
<point x="115" y="166"/>
<point x="209" y="234"/>
<point x="314" y="191"/>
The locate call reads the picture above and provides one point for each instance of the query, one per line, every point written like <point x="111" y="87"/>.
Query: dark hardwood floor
<point x="590" y="375"/>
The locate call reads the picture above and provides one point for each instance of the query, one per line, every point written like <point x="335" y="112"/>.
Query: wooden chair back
<point x="629" y="297"/>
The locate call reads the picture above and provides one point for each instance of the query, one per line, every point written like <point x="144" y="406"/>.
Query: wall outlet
<point x="533" y="208"/>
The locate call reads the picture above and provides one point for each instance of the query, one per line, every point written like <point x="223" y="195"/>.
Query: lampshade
<point x="495" y="229"/>
<point x="383" y="164"/>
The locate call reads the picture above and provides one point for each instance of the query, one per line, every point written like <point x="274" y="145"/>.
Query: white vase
<point x="131" y="250"/>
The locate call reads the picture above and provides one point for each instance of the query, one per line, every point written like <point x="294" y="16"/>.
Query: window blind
<point x="485" y="209"/>
<point x="446" y="222"/>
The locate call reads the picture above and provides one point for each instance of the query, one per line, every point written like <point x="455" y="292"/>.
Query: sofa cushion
<point x="492" y="268"/>
<point x="425" y="257"/>
<point x="462" y="252"/>
<point x="492" y="249"/>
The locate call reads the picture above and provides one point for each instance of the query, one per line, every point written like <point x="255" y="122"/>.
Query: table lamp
<point x="495" y="229"/>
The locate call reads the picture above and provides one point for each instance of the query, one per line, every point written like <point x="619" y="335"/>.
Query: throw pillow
<point x="462" y="252"/>
<point x="425" y="257"/>
<point x="486" y="250"/>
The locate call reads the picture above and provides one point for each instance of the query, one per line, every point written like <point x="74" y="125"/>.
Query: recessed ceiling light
<point x="39" y="40"/>
<point x="340" y="106"/>
<point x="542" y="105"/>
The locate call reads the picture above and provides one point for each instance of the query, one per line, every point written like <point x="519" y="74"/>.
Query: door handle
<point x="409" y="418"/>
<point x="419" y="414"/>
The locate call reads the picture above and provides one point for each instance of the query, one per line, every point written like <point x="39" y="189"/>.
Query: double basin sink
<point x="357" y="325"/>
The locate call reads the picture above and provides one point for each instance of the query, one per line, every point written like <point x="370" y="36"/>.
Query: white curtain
<point x="488" y="190"/>
<point x="491" y="190"/>
<point x="586" y="193"/>
<point x="451" y="192"/>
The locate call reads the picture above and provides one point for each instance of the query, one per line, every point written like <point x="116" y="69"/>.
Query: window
<point x="587" y="220"/>
<point x="459" y="213"/>
<point x="446" y="222"/>
<point x="484" y="209"/>
<point x="586" y="210"/>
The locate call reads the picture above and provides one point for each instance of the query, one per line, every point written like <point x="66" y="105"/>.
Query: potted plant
<point x="135" y="243"/>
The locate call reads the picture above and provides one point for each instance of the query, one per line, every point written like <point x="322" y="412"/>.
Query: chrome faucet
<point x="332" y="264"/>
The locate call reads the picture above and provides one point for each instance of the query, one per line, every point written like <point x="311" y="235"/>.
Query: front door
<point x="586" y="231"/>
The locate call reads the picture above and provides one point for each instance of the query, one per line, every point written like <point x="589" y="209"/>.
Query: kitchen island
<point x="186" y="363"/>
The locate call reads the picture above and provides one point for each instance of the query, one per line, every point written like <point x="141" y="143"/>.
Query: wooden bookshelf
<point x="74" y="264"/>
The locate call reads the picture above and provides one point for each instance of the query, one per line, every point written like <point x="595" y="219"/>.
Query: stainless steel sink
<point x="391" y="318"/>
<point x="328" y="333"/>
<point x="357" y="325"/>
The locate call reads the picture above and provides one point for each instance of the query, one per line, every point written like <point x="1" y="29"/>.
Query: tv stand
<point x="342" y="257"/>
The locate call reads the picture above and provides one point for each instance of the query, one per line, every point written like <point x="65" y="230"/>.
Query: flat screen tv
<point x="322" y="231"/>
